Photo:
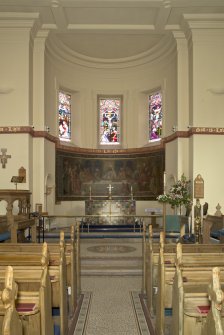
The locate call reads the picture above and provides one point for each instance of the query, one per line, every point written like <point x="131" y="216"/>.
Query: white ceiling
<point x="110" y="29"/>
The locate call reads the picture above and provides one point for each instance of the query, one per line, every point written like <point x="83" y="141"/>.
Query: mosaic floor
<point x="111" y="247"/>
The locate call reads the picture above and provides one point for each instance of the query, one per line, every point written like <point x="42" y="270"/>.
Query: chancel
<point x="112" y="128"/>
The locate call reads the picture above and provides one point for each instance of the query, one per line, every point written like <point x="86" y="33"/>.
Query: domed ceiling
<point x="109" y="29"/>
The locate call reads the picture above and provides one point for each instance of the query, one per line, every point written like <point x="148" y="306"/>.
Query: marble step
<point x="111" y="266"/>
<point x="111" y="272"/>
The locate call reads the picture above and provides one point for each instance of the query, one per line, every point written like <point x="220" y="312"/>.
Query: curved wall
<point x="134" y="82"/>
<point x="134" y="79"/>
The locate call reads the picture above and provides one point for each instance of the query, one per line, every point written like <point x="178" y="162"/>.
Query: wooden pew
<point x="192" y="275"/>
<point x="11" y="323"/>
<point x="166" y="271"/>
<point x="57" y="273"/>
<point x="152" y="259"/>
<point x="214" y="324"/>
<point x="54" y="251"/>
<point x="34" y="296"/>
<point x="212" y="223"/>
<point x="187" y="297"/>
<point x="18" y="228"/>
<point x="191" y="301"/>
<point x="164" y="289"/>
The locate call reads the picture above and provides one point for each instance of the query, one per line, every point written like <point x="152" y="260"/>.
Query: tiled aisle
<point x="111" y="302"/>
<point x="111" y="307"/>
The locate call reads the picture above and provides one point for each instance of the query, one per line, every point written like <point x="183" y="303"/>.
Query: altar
<point x="111" y="212"/>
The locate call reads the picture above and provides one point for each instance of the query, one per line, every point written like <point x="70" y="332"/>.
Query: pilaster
<point x="182" y="81"/>
<point x="38" y="79"/>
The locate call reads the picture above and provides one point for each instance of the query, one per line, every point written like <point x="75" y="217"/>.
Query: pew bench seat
<point x="27" y="306"/>
<point x="196" y="308"/>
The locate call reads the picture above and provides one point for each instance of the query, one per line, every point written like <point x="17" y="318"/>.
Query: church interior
<point x="111" y="167"/>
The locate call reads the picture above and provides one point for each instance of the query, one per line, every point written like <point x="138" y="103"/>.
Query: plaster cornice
<point x="204" y="21"/>
<point x="160" y="51"/>
<point x="18" y="20"/>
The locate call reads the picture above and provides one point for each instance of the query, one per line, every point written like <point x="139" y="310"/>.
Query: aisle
<point x="111" y="282"/>
<point x="111" y="307"/>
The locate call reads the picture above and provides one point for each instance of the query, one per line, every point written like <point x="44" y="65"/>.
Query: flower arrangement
<point x="178" y="195"/>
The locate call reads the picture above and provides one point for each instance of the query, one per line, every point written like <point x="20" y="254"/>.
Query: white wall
<point x="14" y="69"/>
<point x="207" y="54"/>
<point x="208" y="161"/>
<point x="18" y="147"/>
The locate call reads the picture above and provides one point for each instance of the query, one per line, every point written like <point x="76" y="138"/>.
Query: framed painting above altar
<point x="83" y="177"/>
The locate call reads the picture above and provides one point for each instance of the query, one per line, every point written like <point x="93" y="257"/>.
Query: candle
<point x="189" y="224"/>
<point x="164" y="182"/>
<point x="192" y="225"/>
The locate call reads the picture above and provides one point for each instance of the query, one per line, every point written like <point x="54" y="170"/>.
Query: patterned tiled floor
<point x="83" y="314"/>
<point x="140" y="314"/>
<point x="111" y="306"/>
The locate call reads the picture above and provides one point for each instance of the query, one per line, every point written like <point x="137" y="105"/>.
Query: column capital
<point x="180" y="37"/>
<point x="179" y="34"/>
<point x="18" y="20"/>
<point x="203" y="28"/>
<point x="204" y="21"/>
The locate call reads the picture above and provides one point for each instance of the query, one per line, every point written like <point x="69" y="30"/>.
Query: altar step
<point x="110" y="228"/>
<point x="111" y="266"/>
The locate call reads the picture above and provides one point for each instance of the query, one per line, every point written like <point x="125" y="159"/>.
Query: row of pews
<point x="39" y="286"/>
<point x="183" y="285"/>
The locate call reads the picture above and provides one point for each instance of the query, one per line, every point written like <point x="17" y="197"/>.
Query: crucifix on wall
<point x="4" y="157"/>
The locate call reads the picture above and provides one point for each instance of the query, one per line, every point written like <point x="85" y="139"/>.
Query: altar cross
<point x="110" y="189"/>
<point x="4" y="157"/>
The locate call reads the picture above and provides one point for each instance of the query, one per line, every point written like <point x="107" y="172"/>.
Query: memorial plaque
<point x="199" y="187"/>
<point x="22" y="173"/>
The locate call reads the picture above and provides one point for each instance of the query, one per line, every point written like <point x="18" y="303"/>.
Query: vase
<point x="177" y="210"/>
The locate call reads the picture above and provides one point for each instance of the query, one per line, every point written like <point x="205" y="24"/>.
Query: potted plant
<point x="179" y="195"/>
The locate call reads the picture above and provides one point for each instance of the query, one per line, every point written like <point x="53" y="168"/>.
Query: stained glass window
<point x="155" y="116"/>
<point x="64" y="116"/>
<point x="110" y="112"/>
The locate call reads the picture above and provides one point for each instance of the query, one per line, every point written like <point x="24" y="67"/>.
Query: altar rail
<point x="45" y="222"/>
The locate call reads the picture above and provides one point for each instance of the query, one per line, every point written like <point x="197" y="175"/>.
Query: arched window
<point x="64" y="116"/>
<point x="109" y="109"/>
<point x="155" y="116"/>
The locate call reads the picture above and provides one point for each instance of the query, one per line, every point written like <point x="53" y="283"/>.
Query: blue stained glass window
<point x="155" y="116"/>
<point x="110" y="111"/>
<point x="64" y="116"/>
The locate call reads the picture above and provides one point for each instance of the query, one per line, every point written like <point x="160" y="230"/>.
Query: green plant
<point x="178" y="195"/>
